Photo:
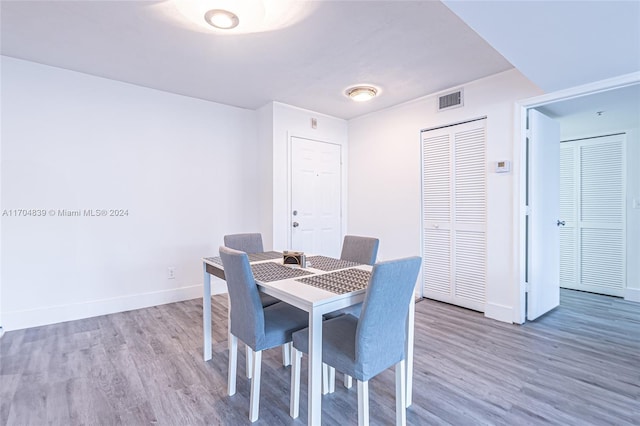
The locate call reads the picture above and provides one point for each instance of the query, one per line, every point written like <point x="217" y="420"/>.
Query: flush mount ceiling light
<point x="362" y="93"/>
<point x="222" y="19"/>
<point x="253" y="16"/>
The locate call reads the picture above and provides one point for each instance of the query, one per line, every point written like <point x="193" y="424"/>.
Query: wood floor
<point x="577" y="365"/>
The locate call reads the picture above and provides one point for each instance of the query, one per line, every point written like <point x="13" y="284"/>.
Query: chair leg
<point x="294" y="402"/>
<point x="233" y="364"/>
<point x="255" y="386"/>
<point x="401" y="388"/>
<point x="248" y="369"/>
<point x="286" y="354"/>
<point x="228" y="317"/>
<point x="332" y="379"/>
<point x="325" y="378"/>
<point x="348" y="381"/>
<point x="363" y="403"/>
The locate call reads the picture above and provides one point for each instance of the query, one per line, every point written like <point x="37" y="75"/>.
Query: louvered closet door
<point x="598" y="257"/>
<point x="568" y="213"/>
<point x="454" y="214"/>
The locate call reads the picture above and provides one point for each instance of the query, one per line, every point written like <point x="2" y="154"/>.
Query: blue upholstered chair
<point x="360" y="249"/>
<point x="251" y="243"/>
<point x="259" y="328"/>
<point x="355" y="249"/>
<point x="364" y="347"/>
<point x="248" y="243"/>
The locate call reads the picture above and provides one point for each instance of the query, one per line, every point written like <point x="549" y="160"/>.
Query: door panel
<point x="454" y="214"/>
<point x="593" y="253"/>
<point x="316" y="176"/>
<point x="544" y="213"/>
<point x="568" y="215"/>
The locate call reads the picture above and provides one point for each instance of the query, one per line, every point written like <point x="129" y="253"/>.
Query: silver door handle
<point x="296" y="224"/>
<point x="560" y="223"/>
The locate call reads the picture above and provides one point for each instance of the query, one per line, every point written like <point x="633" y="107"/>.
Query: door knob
<point x="560" y="223"/>
<point x="296" y="224"/>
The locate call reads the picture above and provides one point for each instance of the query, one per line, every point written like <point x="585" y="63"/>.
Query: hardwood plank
<point x="577" y="365"/>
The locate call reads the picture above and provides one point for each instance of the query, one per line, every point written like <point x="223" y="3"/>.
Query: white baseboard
<point x="17" y="320"/>
<point x="632" y="294"/>
<point x="499" y="312"/>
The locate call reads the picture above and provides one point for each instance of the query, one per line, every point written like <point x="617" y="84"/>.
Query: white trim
<point x="16" y="320"/>
<point x="632" y="294"/>
<point x="519" y="208"/>
<point x="499" y="312"/>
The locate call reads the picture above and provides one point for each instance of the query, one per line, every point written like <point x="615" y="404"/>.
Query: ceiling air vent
<point x="450" y="100"/>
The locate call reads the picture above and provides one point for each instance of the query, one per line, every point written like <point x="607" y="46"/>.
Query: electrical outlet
<point x="171" y="272"/>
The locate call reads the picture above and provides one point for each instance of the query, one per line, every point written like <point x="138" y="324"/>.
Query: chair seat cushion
<point x="352" y="310"/>
<point x="268" y="300"/>
<point x="338" y="344"/>
<point x="281" y="320"/>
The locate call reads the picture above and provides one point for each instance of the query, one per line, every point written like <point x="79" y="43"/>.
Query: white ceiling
<point x="407" y="48"/>
<point x="560" y="44"/>
<point x="578" y="117"/>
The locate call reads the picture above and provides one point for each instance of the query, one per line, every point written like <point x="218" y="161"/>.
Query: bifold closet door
<point x="454" y="214"/>
<point x="592" y="205"/>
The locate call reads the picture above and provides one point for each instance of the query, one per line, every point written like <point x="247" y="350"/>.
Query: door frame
<point x="520" y="164"/>
<point x="343" y="188"/>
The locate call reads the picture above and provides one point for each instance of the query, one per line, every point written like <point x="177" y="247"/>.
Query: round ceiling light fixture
<point x="222" y="19"/>
<point x="362" y="93"/>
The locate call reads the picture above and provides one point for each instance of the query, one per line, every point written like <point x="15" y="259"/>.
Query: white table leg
<point x="410" y="338"/>
<point x="315" y="369"/>
<point x="206" y="313"/>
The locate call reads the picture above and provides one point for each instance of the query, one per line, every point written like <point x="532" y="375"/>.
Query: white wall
<point x="288" y="122"/>
<point x="185" y="169"/>
<point x="265" y="173"/>
<point x="385" y="176"/>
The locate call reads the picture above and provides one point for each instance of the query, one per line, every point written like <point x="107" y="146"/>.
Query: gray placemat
<point x="253" y="257"/>
<point x="340" y="282"/>
<point x="325" y="263"/>
<point x="274" y="272"/>
<point x="214" y="259"/>
<point x="267" y="255"/>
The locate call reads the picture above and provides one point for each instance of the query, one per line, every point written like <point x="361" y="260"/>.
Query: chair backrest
<point x="381" y="331"/>
<point x="360" y="249"/>
<point x="247" y="315"/>
<point x="248" y="243"/>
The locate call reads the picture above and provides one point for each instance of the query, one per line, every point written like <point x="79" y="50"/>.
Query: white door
<point x="543" y="262"/>
<point x="454" y="214"/>
<point x="592" y="207"/>
<point x="316" y="208"/>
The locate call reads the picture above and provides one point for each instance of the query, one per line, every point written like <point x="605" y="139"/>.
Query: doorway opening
<point x="570" y="107"/>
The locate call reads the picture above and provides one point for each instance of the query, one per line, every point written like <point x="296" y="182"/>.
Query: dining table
<point x="324" y="285"/>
